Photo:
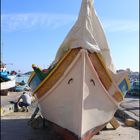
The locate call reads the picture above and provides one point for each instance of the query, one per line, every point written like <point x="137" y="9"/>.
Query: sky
<point x="33" y="30"/>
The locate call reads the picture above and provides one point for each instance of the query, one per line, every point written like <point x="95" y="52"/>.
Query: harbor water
<point x="22" y="78"/>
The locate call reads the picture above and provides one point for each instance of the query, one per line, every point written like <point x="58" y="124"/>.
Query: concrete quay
<point x="129" y="108"/>
<point x="14" y="125"/>
<point x="6" y="106"/>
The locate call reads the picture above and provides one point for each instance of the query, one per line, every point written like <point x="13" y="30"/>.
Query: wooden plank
<point x="103" y="74"/>
<point x="101" y="70"/>
<point x="130" y="122"/>
<point x="54" y="76"/>
<point x="115" y="124"/>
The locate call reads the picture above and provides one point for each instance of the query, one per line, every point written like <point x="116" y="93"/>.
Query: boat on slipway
<point x="80" y="92"/>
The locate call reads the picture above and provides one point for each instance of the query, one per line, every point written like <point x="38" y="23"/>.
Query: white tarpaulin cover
<point x="88" y="34"/>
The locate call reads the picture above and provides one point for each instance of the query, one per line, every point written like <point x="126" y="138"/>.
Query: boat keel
<point x="68" y="135"/>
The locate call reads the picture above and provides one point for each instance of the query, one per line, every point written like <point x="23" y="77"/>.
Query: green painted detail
<point x="41" y="74"/>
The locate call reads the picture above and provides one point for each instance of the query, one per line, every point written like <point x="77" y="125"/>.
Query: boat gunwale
<point x="62" y="77"/>
<point x="31" y="77"/>
<point x="92" y="67"/>
<point x="54" y="69"/>
<point x="89" y="55"/>
<point x="98" y="78"/>
<point x="118" y="95"/>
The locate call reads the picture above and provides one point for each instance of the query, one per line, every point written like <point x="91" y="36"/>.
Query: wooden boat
<point x="79" y="93"/>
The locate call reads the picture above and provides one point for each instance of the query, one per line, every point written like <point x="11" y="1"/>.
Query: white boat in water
<point x="8" y="84"/>
<point x="7" y="81"/>
<point x="80" y="92"/>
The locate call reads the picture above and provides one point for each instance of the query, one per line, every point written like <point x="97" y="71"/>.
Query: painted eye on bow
<point x="92" y="81"/>
<point x="70" y="81"/>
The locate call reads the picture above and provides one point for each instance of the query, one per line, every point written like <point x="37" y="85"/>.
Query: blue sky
<point x="33" y="30"/>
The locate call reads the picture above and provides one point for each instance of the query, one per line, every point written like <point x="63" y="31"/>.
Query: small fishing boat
<point x="80" y="92"/>
<point x="19" y="88"/>
<point x="7" y="81"/>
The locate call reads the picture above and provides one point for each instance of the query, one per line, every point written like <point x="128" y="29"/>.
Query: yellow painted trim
<point x="31" y="77"/>
<point x="118" y="96"/>
<point x="103" y="63"/>
<point x="1" y="111"/>
<point x="59" y="62"/>
<point x="126" y="78"/>
<point x="128" y="82"/>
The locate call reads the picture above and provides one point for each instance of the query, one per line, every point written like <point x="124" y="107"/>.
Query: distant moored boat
<point x="7" y="81"/>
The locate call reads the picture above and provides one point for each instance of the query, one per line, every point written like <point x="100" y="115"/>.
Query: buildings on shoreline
<point x="133" y="76"/>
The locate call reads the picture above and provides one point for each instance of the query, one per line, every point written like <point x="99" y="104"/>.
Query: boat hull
<point x="78" y="101"/>
<point x="8" y="84"/>
<point x="68" y="135"/>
